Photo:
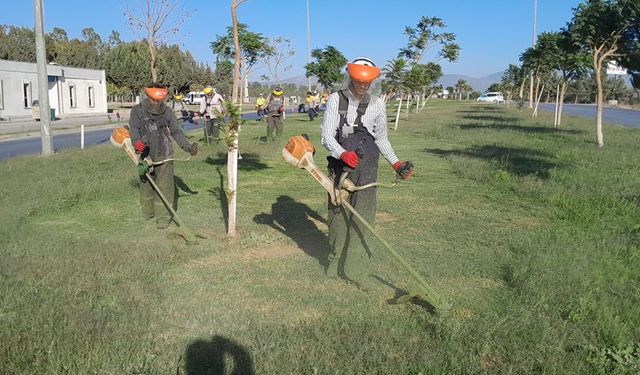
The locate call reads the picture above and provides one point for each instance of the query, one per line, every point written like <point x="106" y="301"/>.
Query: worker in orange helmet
<point x="153" y="125"/>
<point x="354" y="130"/>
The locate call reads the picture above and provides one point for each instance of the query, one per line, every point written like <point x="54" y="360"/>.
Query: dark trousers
<point x="349" y="239"/>
<point x="150" y="201"/>
<point x="211" y="129"/>
<point x="274" y="122"/>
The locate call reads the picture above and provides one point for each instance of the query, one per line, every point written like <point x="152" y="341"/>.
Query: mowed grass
<point x="531" y="234"/>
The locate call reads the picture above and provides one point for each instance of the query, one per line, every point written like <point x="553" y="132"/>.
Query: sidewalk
<point x="25" y="126"/>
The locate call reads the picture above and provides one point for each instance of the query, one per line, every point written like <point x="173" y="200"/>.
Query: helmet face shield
<point x="157" y="94"/>
<point x="363" y="73"/>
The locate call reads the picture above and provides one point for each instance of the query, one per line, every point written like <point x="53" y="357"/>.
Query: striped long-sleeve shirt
<point x="374" y="119"/>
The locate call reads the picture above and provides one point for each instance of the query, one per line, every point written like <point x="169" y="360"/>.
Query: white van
<point x="491" y="97"/>
<point x="194" y="97"/>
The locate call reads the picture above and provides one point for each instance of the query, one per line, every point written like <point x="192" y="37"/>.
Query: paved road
<point x="625" y="117"/>
<point x="33" y="145"/>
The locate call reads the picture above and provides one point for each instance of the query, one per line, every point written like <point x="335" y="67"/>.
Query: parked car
<point x="491" y="97"/>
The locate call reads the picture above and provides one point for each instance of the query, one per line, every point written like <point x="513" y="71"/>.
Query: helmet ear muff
<point x="156" y="93"/>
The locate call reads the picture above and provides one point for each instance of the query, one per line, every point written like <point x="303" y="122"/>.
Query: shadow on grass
<point x="521" y="129"/>
<point x="399" y="293"/>
<point x="291" y="218"/>
<point x="180" y="184"/>
<point x="249" y="162"/>
<point x="215" y="357"/>
<point x="220" y="194"/>
<point x="490" y="117"/>
<point x="515" y="160"/>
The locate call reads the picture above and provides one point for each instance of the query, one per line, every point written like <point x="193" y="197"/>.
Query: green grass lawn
<point x="530" y="233"/>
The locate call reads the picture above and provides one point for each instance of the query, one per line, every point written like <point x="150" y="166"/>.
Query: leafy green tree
<point x="17" y="43"/>
<point x="512" y="79"/>
<point x="394" y="77"/>
<point x="607" y="30"/>
<point x="328" y="66"/>
<point x="425" y="37"/>
<point x="253" y="48"/>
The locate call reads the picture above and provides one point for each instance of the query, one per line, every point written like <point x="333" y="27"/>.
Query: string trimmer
<point x="299" y="153"/>
<point x="120" y="138"/>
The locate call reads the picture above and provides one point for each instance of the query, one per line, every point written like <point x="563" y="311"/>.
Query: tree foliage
<point x="328" y="66"/>
<point x="425" y="37"/>
<point x="607" y="30"/>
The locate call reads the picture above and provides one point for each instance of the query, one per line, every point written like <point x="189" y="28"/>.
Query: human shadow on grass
<point x="180" y="184"/>
<point x="522" y="129"/>
<point x="249" y="162"/>
<point x="399" y="293"/>
<point x="218" y="356"/>
<point x="515" y="160"/>
<point x="291" y="218"/>
<point x="220" y="194"/>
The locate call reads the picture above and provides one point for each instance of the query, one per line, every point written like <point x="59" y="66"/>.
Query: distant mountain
<point x="479" y="84"/>
<point x="297" y="80"/>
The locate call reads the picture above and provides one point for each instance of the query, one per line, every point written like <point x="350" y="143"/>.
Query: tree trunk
<point x="524" y="80"/>
<point x="563" y="91"/>
<point x="535" y="110"/>
<point x="597" y="66"/>
<point x="408" y="105"/>
<point x="153" y="50"/>
<point x="531" y="90"/>
<point x="395" y="127"/>
<point x="555" y="113"/>
<point x="236" y="46"/>
<point x="232" y="152"/>
<point x="549" y="96"/>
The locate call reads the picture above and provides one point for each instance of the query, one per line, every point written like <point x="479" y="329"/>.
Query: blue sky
<point x="491" y="33"/>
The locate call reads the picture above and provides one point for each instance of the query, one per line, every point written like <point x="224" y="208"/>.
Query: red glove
<point x="139" y="147"/>
<point x="404" y="170"/>
<point x="350" y="158"/>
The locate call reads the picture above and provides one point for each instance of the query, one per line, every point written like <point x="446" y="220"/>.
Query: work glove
<point x="143" y="168"/>
<point x="404" y="170"/>
<point x="193" y="149"/>
<point x="139" y="146"/>
<point x="350" y="158"/>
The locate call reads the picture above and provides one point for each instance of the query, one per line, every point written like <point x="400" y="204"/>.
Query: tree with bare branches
<point x="158" y="19"/>
<point x="279" y="50"/>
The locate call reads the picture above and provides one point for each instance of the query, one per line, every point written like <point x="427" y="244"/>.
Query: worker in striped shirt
<point x="354" y="130"/>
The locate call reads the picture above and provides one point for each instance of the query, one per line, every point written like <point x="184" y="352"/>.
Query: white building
<point x="72" y="91"/>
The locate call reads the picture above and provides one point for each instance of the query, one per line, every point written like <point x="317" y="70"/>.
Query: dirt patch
<point x="248" y="255"/>
<point x="385" y="217"/>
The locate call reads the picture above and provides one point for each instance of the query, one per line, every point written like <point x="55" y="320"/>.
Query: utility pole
<point x="43" y="82"/>
<point x="308" y="47"/>
<point x="533" y="43"/>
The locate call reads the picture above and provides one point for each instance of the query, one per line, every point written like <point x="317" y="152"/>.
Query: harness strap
<point x="343" y="105"/>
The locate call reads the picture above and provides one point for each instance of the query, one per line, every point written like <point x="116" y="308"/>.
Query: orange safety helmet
<point x="156" y="92"/>
<point x="363" y="70"/>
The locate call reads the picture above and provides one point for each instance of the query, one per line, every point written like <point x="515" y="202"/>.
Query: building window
<point x="1" y="96"/>
<point x="72" y="96"/>
<point x="92" y="99"/>
<point x="26" y="94"/>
